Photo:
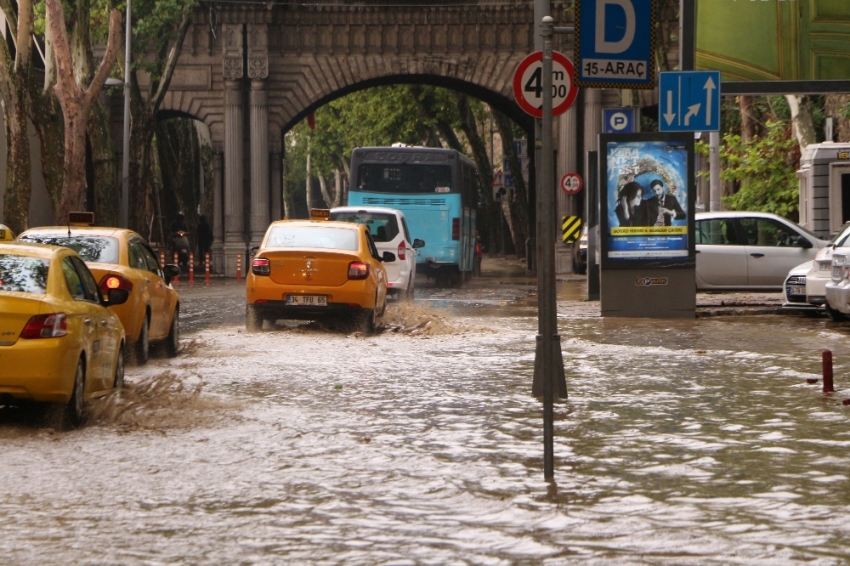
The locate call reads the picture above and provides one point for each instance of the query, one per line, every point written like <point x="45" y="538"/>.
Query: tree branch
<point x="10" y="13"/>
<point x="171" y="62"/>
<point x="65" y="83"/>
<point x="24" y="41"/>
<point x="112" y="44"/>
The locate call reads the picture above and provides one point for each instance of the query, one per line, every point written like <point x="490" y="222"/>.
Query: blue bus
<point x="436" y="189"/>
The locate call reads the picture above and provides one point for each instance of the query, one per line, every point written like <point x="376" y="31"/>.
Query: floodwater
<point x="682" y="442"/>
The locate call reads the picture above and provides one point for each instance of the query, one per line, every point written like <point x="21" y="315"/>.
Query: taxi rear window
<point x="23" y="274"/>
<point x="94" y="249"/>
<point x="321" y="237"/>
<point x="382" y="226"/>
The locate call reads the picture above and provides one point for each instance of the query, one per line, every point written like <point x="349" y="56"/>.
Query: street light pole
<point x="125" y="166"/>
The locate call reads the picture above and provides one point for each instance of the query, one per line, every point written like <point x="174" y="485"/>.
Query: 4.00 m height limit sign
<point x="528" y="84"/>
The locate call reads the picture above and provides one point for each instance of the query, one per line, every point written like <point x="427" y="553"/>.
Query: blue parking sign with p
<point x="619" y="120"/>
<point x="615" y="43"/>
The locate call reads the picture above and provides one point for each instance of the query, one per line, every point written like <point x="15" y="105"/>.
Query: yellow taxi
<point x="316" y="269"/>
<point x="121" y="259"/>
<point x="59" y="342"/>
<point x="6" y="235"/>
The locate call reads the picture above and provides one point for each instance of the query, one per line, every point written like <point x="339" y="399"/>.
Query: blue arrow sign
<point x="689" y="101"/>
<point x="614" y="43"/>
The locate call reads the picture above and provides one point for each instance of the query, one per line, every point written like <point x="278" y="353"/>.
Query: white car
<point x="390" y="234"/>
<point x="838" y="288"/>
<point x="808" y="289"/>
<point x="749" y="250"/>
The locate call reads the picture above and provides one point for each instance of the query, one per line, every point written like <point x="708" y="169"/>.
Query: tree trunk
<point x="141" y="174"/>
<point x="802" y="120"/>
<point x="837" y="106"/>
<point x="309" y="182"/>
<point x="47" y="118"/>
<point x="107" y="192"/>
<point x="76" y="103"/>
<point x="749" y="125"/>
<point x="518" y="219"/>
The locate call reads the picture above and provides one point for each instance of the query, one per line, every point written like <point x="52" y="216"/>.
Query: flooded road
<point x="682" y="442"/>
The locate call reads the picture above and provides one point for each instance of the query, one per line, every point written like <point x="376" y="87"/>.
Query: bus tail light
<point x="51" y="325"/>
<point x="113" y="281"/>
<point x="358" y="270"/>
<point x="402" y="248"/>
<point x="455" y="228"/>
<point x="261" y="266"/>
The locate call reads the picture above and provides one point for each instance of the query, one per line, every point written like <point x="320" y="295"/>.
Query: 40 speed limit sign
<point x="528" y="84"/>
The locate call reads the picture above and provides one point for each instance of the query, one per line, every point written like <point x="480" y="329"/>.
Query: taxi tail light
<point x="455" y="228"/>
<point x="261" y="266"/>
<point x="358" y="270"/>
<point x="402" y="249"/>
<point x="113" y="281"/>
<point x="51" y="325"/>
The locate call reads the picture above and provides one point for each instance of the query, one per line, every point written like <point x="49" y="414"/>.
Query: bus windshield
<point x="403" y="178"/>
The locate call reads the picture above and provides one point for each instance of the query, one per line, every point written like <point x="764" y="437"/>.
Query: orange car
<point x="121" y="259"/>
<point x="59" y="343"/>
<point x="312" y="270"/>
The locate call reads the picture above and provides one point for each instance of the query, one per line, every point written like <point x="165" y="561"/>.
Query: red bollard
<point x="238" y="267"/>
<point x="162" y="259"/>
<point x="207" y="267"/>
<point x="177" y="263"/>
<point x="827" y="372"/>
<point x="191" y="267"/>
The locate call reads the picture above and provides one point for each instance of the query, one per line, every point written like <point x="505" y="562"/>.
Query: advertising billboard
<point x="647" y="200"/>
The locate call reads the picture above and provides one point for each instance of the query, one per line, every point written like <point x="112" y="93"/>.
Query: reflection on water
<point x="683" y="442"/>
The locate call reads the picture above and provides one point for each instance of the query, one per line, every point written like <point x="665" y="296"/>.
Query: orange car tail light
<point x="261" y="266"/>
<point x="358" y="270"/>
<point x="51" y="325"/>
<point x="402" y="248"/>
<point x="113" y="281"/>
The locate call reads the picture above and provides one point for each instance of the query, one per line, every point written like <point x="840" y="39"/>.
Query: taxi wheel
<point x="142" y="350"/>
<point x="74" y="408"/>
<point x="118" y="383"/>
<point x="253" y="323"/>
<point x="172" y="343"/>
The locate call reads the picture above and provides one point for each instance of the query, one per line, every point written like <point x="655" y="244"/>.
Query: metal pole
<point x="125" y="166"/>
<point x="546" y="255"/>
<point x="714" y="202"/>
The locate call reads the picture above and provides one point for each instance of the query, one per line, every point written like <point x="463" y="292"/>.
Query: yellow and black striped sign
<point x="570" y="228"/>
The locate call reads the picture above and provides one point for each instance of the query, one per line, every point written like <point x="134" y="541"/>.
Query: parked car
<point x="59" y="341"/>
<point x="807" y="289"/>
<point x="316" y="270"/>
<point x="580" y="253"/>
<point x="838" y="289"/>
<point x="388" y="229"/>
<point x="749" y="250"/>
<point x="121" y="259"/>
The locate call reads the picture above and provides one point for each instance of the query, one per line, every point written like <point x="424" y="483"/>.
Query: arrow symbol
<point x="692" y="111"/>
<point x="669" y="115"/>
<point x="709" y="88"/>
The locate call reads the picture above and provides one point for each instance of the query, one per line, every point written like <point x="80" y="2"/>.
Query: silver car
<point x="749" y="250"/>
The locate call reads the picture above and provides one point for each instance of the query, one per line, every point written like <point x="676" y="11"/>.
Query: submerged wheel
<point x="172" y="343"/>
<point x="253" y="323"/>
<point x="143" y="344"/>
<point x="74" y="408"/>
<point x="118" y="380"/>
<point x="834" y="315"/>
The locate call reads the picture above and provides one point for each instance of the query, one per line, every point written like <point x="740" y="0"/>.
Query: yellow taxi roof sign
<point x="319" y="214"/>
<point x="84" y="218"/>
<point x="6" y="235"/>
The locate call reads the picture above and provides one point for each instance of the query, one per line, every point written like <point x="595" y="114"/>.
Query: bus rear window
<point x="382" y="227"/>
<point x="23" y="274"/>
<point x="403" y="178"/>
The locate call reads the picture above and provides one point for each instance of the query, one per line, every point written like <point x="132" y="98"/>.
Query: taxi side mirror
<point x="417" y="243"/>
<point x="388" y="257"/>
<point x="116" y="297"/>
<point x="170" y="271"/>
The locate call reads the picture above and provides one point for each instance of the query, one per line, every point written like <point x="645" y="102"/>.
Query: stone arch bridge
<point x="251" y="71"/>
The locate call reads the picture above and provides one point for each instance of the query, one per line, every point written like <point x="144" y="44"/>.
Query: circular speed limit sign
<point x="528" y="84"/>
<point x="571" y="183"/>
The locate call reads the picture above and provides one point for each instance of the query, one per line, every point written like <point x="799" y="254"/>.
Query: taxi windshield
<point x="94" y="249"/>
<point x="23" y="274"/>
<point x="323" y="237"/>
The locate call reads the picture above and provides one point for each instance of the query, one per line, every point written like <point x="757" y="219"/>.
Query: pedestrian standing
<point x="205" y="237"/>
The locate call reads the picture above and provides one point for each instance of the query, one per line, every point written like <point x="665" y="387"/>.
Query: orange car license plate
<point x="307" y="300"/>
